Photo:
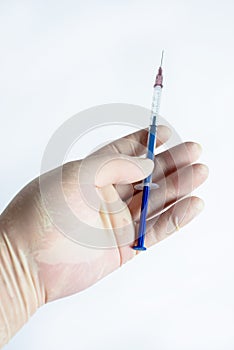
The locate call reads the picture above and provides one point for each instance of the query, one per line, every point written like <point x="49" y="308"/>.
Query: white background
<point x="60" y="57"/>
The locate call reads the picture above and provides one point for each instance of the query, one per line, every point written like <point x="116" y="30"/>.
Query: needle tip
<point x="162" y="58"/>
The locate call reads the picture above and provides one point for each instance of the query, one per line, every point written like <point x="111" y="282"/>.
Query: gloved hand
<point x="43" y="257"/>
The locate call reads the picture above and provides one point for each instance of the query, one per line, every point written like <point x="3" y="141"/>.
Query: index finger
<point x="135" y="144"/>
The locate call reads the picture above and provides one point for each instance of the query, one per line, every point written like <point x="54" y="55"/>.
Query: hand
<point x="58" y="266"/>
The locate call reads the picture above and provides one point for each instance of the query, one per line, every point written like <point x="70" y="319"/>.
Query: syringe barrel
<point x="152" y="134"/>
<point x="155" y="104"/>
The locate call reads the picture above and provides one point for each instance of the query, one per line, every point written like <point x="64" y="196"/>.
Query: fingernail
<point x="146" y="164"/>
<point x="199" y="205"/>
<point x="165" y="132"/>
<point x="199" y="147"/>
<point x="204" y="170"/>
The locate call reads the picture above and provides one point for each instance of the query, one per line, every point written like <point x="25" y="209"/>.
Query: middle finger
<point x="166" y="163"/>
<point x="174" y="187"/>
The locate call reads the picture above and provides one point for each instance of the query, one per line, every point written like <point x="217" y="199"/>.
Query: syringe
<point x="152" y="136"/>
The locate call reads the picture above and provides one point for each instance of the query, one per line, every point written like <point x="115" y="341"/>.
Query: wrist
<point x="21" y="292"/>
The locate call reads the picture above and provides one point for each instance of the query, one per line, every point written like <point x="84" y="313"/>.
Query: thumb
<point x="122" y="169"/>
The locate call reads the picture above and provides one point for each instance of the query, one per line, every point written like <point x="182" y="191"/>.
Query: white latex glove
<point x="38" y="263"/>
